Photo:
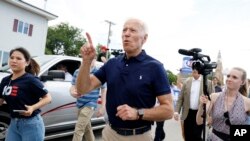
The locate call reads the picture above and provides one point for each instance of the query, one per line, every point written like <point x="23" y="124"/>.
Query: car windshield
<point x="41" y="60"/>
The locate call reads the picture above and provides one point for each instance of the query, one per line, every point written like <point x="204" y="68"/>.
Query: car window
<point x="71" y="66"/>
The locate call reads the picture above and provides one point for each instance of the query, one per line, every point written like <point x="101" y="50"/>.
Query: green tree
<point x="64" y="39"/>
<point x="172" y="78"/>
<point x="98" y="50"/>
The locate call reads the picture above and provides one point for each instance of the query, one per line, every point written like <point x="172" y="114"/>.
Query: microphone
<point x="186" y="52"/>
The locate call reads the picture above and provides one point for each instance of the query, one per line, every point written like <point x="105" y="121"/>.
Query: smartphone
<point x="19" y="111"/>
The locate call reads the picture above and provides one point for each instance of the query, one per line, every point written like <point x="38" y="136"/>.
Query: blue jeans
<point x="21" y="129"/>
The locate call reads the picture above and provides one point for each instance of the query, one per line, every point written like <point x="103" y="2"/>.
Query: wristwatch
<point x="140" y="113"/>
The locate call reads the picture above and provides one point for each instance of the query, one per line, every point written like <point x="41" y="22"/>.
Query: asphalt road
<point x="172" y="129"/>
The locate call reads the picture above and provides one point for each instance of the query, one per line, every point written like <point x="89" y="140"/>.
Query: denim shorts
<point x="26" y="129"/>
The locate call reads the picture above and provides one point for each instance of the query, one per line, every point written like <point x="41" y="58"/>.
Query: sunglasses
<point x="226" y="115"/>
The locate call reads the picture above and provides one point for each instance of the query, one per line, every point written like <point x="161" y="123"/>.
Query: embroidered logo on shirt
<point x="140" y="77"/>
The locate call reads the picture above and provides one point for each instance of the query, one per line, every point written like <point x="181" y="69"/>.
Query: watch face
<point x="141" y="112"/>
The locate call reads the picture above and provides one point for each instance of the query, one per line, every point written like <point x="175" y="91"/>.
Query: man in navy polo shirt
<point x="134" y="81"/>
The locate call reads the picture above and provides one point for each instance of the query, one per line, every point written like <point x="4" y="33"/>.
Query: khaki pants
<point x="108" y="134"/>
<point x="83" y="125"/>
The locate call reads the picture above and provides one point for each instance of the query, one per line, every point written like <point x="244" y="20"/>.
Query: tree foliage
<point x="64" y="39"/>
<point x="171" y="77"/>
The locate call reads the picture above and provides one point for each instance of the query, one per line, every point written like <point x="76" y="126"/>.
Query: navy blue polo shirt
<point x="135" y="82"/>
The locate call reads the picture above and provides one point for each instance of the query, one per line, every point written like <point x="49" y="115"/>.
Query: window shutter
<point x="30" y="29"/>
<point x="15" y="25"/>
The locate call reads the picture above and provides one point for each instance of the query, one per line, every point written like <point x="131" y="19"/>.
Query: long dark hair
<point x="33" y="66"/>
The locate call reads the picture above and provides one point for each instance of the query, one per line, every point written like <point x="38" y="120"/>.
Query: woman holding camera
<point x="227" y="108"/>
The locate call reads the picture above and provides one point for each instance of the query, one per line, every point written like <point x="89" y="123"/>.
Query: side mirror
<point x="57" y="74"/>
<point x="54" y="75"/>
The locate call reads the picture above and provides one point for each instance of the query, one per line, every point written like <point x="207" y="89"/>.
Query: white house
<point x="22" y="25"/>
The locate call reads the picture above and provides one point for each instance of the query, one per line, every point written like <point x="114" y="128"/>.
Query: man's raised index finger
<point x="89" y="39"/>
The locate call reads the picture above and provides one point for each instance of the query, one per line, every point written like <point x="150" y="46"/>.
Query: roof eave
<point x="34" y="9"/>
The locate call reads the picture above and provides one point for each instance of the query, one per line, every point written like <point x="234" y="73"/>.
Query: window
<point x="26" y="28"/>
<point x="30" y="30"/>
<point x="22" y="27"/>
<point x="5" y="58"/>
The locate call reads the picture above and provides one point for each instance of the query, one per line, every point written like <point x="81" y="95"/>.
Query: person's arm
<point x="85" y="81"/>
<point x="209" y="105"/>
<point x="199" y="117"/>
<point x="46" y="99"/>
<point x="102" y="109"/>
<point x="247" y="104"/>
<point x="1" y="101"/>
<point x="73" y="92"/>
<point x="159" y="113"/>
<point x="179" y="102"/>
<point x="103" y="97"/>
<point x="103" y="59"/>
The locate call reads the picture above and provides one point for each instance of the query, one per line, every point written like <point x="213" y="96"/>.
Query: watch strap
<point x="140" y="113"/>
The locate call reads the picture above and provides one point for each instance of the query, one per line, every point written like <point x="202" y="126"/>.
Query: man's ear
<point x="145" y="38"/>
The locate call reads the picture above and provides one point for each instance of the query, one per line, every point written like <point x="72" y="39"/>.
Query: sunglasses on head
<point x="226" y="115"/>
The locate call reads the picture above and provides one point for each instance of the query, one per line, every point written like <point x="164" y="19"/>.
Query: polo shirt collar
<point x="139" y="57"/>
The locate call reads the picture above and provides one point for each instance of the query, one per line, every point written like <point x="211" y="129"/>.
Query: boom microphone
<point x="186" y="52"/>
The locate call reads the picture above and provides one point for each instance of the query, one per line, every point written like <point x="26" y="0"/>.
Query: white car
<point x="60" y="115"/>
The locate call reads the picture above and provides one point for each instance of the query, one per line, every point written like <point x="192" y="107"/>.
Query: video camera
<point x="200" y="62"/>
<point x="116" y="52"/>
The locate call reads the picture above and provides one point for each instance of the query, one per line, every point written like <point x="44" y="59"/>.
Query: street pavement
<point x="172" y="130"/>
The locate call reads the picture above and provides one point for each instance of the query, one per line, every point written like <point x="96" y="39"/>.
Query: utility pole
<point x="45" y="4"/>
<point x="109" y="34"/>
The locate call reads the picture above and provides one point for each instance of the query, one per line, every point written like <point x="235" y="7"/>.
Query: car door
<point x="61" y="113"/>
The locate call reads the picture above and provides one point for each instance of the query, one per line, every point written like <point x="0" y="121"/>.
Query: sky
<point x="211" y="25"/>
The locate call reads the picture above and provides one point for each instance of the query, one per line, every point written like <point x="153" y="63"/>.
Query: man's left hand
<point x="126" y="112"/>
